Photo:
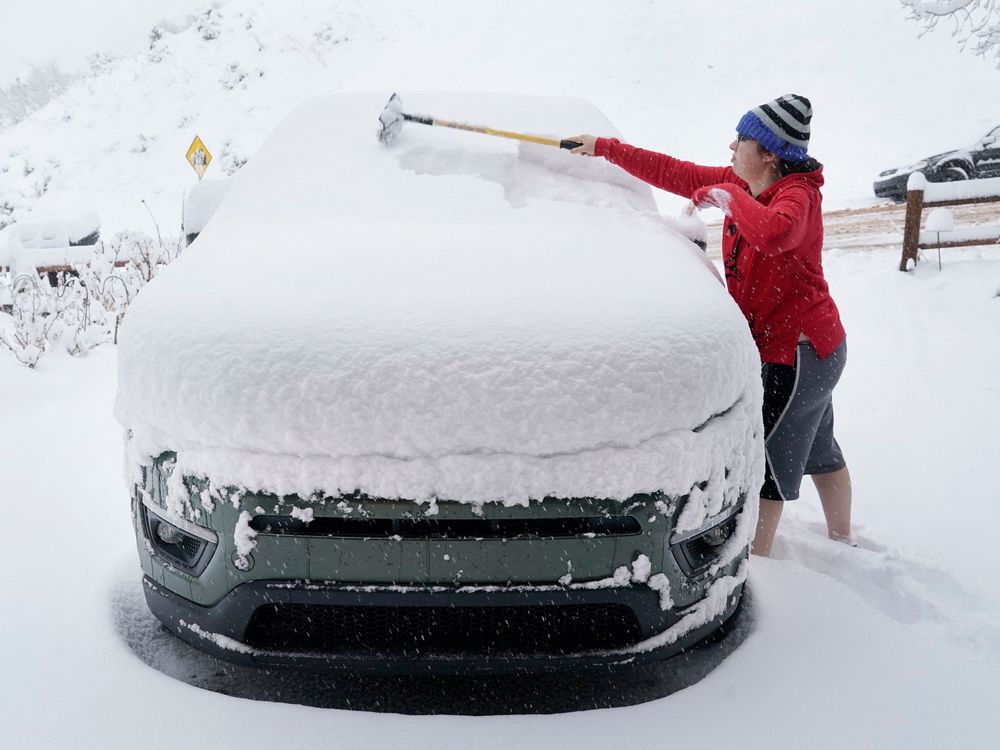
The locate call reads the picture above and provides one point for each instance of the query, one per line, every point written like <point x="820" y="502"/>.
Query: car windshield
<point x="447" y="295"/>
<point x="323" y="167"/>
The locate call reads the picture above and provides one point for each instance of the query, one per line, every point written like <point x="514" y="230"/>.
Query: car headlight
<point x="718" y="535"/>
<point x="695" y="552"/>
<point x="168" y="533"/>
<point x="184" y="545"/>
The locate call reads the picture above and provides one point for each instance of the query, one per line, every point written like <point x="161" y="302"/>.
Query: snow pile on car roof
<point x="25" y="246"/>
<point x="201" y="202"/>
<point x="453" y="316"/>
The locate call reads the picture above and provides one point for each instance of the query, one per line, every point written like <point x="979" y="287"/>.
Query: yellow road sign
<point x="198" y="156"/>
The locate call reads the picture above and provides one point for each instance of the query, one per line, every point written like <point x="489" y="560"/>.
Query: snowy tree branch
<point x="974" y="23"/>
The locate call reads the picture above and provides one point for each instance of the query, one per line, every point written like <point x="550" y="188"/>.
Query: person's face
<point x="748" y="161"/>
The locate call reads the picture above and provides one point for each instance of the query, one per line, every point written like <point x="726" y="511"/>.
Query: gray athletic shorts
<point x="798" y="420"/>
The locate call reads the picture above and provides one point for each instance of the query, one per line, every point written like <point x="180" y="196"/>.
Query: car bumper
<point x="227" y="631"/>
<point x="892" y="187"/>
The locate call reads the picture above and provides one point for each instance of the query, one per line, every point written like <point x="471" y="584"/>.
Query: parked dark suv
<point x="978" y="161"/>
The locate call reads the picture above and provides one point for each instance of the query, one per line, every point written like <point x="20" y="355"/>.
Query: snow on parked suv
<point x="457" y="403"/>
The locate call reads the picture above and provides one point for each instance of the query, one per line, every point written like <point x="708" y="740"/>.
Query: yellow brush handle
<point x="500" y="133"/>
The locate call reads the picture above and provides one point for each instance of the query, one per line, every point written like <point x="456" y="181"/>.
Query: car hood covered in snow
<point x="388" y="319"/>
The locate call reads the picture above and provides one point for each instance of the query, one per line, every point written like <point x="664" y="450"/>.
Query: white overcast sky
<point x="36" y="31"/>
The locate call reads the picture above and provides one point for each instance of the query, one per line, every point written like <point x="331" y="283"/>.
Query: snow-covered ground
<point x="895" y="643"/>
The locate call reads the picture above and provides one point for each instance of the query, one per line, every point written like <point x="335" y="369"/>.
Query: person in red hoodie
<point x="772" y="240"/>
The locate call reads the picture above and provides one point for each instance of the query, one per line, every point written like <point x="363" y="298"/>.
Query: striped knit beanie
<point x="781" y="126"/>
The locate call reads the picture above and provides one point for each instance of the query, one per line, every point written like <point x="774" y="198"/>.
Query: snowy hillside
<point x="670" y="76"/>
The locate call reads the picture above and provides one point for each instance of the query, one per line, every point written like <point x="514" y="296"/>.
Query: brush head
<point x="391" y="120"/>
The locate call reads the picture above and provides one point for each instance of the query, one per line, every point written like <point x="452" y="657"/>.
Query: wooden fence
<point x="945" y="194"/>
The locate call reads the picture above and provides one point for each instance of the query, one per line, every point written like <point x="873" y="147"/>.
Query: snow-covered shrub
<point x="101" y="62"/>
<point x="7" y="209"/>
<point x="26" y="334"/>
<point x="80" y="325"/>
<point x="119" y="268"/>
<point x="208" y="24"/>
<point x="236" y="75"/>
<point x="23" y="180"/>
<point x="142" y="143"/>
<point x="232" y="158"/>
<point x="144" y="257"/>
<point x="328" y="35"/>
<point x="85" y="308"/>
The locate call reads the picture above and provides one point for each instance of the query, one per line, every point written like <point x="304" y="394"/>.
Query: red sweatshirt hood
<point x="814" y="178"/>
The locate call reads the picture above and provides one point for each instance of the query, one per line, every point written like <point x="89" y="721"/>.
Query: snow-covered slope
<point x="672" y="76"/>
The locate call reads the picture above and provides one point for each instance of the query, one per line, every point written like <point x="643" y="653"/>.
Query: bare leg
<point x="767" y="527"/>
<point x="835" y="494"/>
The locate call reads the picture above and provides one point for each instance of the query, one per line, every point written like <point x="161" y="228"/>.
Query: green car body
<point x="577" y="583"/>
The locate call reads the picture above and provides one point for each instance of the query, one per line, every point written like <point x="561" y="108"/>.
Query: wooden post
<point x="911" y="228"/>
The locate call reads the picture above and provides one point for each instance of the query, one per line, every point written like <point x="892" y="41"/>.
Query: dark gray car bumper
<point x="893" y="187"/>
<point x="222" y="630"/>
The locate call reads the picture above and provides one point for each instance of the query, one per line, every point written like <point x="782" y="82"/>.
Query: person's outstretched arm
<point x="659" y="170"/>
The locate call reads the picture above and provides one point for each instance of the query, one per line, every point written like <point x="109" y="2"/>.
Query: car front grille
<point x="433" y="528"/>
<point x="419" y="630"/>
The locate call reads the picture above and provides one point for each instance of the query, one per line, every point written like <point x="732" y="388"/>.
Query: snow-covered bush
<point x="235" y="75"/>
<point x="84" y="308"/>
<point x="43" y="315"/>
<point x="119" y="268"/>
<point x="32" y="318"/>
<point x="79" y="324"/>
<point x="24" y="178"/>
<point x="208" y="23"/>
<point x="232" y="158"/>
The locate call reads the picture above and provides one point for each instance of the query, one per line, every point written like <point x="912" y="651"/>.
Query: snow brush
<point x="392" y="118"/>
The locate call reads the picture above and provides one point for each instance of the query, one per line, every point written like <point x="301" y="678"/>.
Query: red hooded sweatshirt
<point x="771" y="247"/>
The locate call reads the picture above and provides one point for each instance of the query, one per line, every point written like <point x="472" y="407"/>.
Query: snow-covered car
<point x="30" y="245"/>
<point x="458" y="403"/>
<point x="978" y="161"/>
<point x="200" y="203"/>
